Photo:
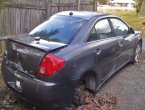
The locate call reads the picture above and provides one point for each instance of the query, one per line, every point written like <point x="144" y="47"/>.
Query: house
<point x="122" y="3"/>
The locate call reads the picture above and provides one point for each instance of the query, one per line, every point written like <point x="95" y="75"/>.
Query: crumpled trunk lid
<point x="25" y="54"/>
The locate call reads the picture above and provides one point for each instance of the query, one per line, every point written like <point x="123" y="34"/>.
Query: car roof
<point x="83" y="14"/>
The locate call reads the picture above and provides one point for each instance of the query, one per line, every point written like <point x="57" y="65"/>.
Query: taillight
<point x="50" y="65"/>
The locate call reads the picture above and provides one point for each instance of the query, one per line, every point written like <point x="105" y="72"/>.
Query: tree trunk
<point x="142" y="11"/>
<point x="1" y="4"/>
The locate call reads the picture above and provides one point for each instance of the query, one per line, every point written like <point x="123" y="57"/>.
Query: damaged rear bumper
<point x="39" y="93"/>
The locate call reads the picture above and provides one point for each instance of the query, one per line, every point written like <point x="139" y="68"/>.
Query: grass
<point x="132" y="19"/>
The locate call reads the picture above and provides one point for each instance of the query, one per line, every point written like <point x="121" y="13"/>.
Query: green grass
<point x="132" y="19"/>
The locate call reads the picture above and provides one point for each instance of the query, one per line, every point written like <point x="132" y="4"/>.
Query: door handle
<point x="98" y="51"/>
<point x="120" y="43"/>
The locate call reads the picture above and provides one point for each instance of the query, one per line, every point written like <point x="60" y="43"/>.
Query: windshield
<point x="58" y="29"/>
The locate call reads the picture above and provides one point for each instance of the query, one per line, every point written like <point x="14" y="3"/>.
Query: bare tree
<point x="142" y="10"/>
<point x="1" y="4"/>
<point x="138" y="6"/>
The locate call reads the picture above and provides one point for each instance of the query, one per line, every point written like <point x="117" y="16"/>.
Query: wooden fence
<point x="21" y="16"/>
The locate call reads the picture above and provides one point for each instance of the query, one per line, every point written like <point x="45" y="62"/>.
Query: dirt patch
<point x="102" y="101"/>
<point x="99" y="101"/>
<point x="10" y="102"/>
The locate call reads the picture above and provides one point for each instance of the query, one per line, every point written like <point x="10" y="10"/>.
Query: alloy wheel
<point x="137" y="53"/>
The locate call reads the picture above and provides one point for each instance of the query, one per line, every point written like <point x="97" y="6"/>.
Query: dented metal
<point x="25" y="55"/>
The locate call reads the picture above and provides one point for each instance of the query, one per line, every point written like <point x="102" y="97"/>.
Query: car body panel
<point x="125" y="51"/>
<point x="21" y="49"/>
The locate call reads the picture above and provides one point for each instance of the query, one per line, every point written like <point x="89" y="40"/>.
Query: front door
<point x="125" y="40"/>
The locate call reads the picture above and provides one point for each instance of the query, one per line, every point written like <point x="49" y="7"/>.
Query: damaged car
<point x="45" y="66"/>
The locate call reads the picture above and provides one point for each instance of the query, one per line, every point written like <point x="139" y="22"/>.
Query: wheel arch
<point x="90" y="79"/>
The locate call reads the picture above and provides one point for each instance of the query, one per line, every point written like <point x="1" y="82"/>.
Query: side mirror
<point x="131" y="31"/>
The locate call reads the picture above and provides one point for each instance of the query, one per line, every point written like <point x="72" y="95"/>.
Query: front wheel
<point x="136" y="55"/>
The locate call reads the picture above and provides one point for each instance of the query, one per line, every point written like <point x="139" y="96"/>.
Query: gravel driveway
<point x="126" y="87"/>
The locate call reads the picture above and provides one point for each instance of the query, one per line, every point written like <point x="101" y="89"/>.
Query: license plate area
<point x="16" y="85"/>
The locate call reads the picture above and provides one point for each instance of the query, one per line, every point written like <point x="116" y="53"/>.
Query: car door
<point x="105" y="47"/>
<point x="121" y="31"/>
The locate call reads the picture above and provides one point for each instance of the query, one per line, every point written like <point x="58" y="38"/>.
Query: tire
<point x="136" y="54"/>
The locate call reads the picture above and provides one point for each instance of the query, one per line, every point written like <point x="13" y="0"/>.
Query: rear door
<point x="125" y="41"/>
<point x="105" y="47"/>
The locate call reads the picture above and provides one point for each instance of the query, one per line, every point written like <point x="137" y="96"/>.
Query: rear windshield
<point x="58" y="28"/>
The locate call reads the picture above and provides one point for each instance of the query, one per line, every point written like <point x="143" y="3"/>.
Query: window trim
<point x="102" y="40"/>
<point x="113" y="26"/>
<point x="112" y="31"/>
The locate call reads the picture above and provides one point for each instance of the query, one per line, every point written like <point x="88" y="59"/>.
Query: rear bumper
<point x="41" y="94"/>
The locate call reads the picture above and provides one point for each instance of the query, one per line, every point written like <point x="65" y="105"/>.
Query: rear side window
<point x="120" y="28"/>
<point x="58" y="28"/>
<point x="101" y="30"/>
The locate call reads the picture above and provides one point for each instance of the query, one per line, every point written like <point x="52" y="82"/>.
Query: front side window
<point x="58" y="29"/>
<point x="101" y="30"/>
<point x="120" y="28"/>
